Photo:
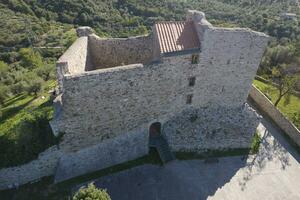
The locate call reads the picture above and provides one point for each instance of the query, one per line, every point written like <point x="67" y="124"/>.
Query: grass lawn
<point x="289" y="106"/>
<point x="24" y="128"/>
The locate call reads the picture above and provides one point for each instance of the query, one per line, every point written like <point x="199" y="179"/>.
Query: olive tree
<point x="286" y="79"/>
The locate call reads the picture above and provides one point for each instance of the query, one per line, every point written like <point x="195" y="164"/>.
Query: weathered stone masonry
<point x="112" y="90"/>
<point x="110" y="98"/>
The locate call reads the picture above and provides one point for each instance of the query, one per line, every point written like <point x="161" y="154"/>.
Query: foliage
<point x="91" y="193"/>
<point x="289" y="104"/>
<point x="24" y="129"/>
<point x="46" y="72"/>
<point x="286" y="80"/>
<point x="255" y="143"/>
<point x="30" y="58"/>
<point x="3" y="70"/>
<point x="296" y="118"/>
<point x="34" y="34"/>
<point x="34" y="84"/>
<point x="278" y="55"/>
<point x="3" y="93"/>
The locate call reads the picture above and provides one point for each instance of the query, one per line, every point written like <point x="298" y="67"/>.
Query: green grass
<point x="24" y="128"/>
<point x="289" y="105"/>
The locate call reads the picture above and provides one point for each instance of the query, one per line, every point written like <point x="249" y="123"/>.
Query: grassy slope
<point x="288" y="105"/>
<point x="24" y="128"/>
<point x="15" y="107"/>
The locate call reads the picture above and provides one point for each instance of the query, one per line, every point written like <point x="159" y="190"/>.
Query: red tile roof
<point x="177" y="36"/>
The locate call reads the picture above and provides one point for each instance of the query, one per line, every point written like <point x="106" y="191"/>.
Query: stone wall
<point x="44" y="165"/>
<point x="74" y="61"/>
<point x="228" y="64"/>
<point x="210" y="128"/>
<point x="103" y="104"/>
<point x="111" y="52"/>
<point x="76" y="56"/>
<point x="128" y="146"/>
<point x="267" y="107"/>
<point x="106" y="113"/>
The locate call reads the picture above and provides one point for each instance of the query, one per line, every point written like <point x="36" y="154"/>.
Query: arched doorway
<point x="158" y="145"/>
<point x="155" y="129"/>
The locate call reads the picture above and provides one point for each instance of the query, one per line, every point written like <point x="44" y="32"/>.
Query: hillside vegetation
<point x="290" y="106"/>
<point x="34" y="33"/>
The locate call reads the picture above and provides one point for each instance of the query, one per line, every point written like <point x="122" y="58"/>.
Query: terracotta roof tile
<point x="176" y="36"/>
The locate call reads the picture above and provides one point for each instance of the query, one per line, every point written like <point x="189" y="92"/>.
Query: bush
<point x="91" y="193"/>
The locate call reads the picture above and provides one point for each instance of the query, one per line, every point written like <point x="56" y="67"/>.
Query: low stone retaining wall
<point x="44" y="165"/>
<point x="105" y="154"/>
<point x="54" y="161"/>
<point x="267" y="106"/>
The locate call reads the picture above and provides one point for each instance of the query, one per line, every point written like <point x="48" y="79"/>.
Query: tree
<point x="287" y="80"/>
<point x="91" y="193"/>
<point x="34" y="83"/>
<point x="18" y="87"/>
<point x="278" y="55"/>
<point x="46" y="72"/>
<point x="30" y="58"/>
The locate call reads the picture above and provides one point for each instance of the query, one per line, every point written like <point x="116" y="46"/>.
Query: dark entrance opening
<point x="155" y="129"/>
<point x="158" y="144"/>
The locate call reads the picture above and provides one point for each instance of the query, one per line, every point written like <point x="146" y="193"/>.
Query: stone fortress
<point x="187" y="81"/>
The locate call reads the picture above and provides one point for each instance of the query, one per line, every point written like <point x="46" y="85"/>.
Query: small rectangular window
<point x="195" y="59"/>
<point x="189" y="99"/>
<point x="192" y="81"/>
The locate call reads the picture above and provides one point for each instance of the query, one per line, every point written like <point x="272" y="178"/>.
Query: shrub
<point x="255" y="144"/>
<point x="91" y="193"/>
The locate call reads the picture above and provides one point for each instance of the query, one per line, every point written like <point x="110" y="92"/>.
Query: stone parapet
<point x="267" y="107"/>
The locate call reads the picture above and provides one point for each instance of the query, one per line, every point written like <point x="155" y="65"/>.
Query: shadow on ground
<point x="178" y="180"/>
<point x="196" y="179"/>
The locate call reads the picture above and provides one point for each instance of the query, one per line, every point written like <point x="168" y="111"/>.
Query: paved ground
<point x="274" y="173"/>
